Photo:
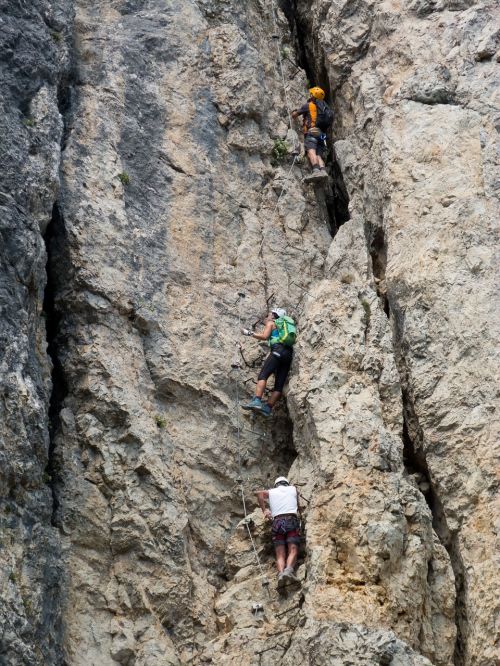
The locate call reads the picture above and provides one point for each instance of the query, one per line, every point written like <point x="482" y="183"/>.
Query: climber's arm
<point x="266" y="332"/>
<point x="262" y="496"/>
<point x="300" y="112"/>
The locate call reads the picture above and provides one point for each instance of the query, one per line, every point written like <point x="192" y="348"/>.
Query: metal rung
<point x="254" y="432"/>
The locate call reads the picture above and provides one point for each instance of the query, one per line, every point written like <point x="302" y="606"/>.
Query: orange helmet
<point x="317" y="93"/>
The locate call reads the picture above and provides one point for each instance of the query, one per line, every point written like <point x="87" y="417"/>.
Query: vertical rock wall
<point x="34" y="64"/>
<point x="171" y="205"/>
<point x="167" y="211"/>
<point x="416" y="90"/>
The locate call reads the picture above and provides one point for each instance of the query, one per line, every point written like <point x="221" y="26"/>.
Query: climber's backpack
<point x="324" y="117"/>
<point x="287" y="331"/>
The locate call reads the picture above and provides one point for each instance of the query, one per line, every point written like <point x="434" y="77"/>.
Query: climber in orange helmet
<point x="317" y="118"/>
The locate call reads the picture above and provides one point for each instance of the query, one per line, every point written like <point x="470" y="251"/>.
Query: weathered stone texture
<point x="33" y="64"/>
<point x="417" y="95"/>
<point x="168" y="200"/>
<point x="170" y="204"/>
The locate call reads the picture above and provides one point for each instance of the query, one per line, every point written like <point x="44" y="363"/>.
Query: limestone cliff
<point x="146" y="214"/>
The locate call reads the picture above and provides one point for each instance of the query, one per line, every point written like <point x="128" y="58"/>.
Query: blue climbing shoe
<point x="265" y="410"/>
<point x="255" y="404"/>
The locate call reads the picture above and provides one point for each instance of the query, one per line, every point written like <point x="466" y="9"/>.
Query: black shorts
<point x="278" y="364"/>
<point x="285" y="530"/>
<point x="316" y="144"/>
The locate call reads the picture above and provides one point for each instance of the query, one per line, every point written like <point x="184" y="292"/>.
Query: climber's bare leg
<point x="293" y="552"/>
<point x="260" y="388"/>
<point x="312" y="157"/>
<point x="280" y="557"/>
<point x="275" y="396"/>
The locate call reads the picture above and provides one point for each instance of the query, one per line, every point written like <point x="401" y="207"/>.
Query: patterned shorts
<point x="285" y="530"/>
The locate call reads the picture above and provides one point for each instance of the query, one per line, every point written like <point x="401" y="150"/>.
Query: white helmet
<point x="280" y="480"/>
<point x="281" y="312"/>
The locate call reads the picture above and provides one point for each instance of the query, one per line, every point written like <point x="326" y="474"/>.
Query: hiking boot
<point x="265" y="409"/>
<point x="290" y="575"/>
<point x="310" y="177"/>
<point x="320" y="174"/>
<point x="281" y="579"/>
<point x="255" y="404"/>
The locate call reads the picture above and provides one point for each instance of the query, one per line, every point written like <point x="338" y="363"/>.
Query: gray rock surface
<point x="147" y="450"/>
<point x="417" y="96"/>
<point x="123" y="537"/>
<point x="34" y="64"/>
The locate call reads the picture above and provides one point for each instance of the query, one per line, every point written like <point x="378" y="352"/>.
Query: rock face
<point x="170" y="221"/>
<point x="31" y="128"/>
<point x="417" y="148"/>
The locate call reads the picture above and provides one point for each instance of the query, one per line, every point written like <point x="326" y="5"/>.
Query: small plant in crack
<point x="12" y="577"/>
<point x="160" y="421"/>
<point x="148" y="306"/>
<point x="56" y="36"/>
<point x="280" y="150"/>
<point x="28" y="606"/>
<point x="285" y="52"/>
<point x="124" y="178"/>
<point x="368" y="311"/>
<point x="29" y="122"/>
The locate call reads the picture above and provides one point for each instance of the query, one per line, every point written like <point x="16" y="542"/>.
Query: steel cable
<point x="241" y="295"/>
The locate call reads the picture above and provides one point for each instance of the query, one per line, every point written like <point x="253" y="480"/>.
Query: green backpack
<point x="287" y="331"/>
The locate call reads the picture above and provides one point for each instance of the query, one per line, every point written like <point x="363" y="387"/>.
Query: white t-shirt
<point x="283" y="499"/>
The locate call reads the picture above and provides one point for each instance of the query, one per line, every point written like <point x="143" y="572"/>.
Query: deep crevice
<point x="378" y="253"/>
<point x="54" y="239"/>
<point x="415" y="462"/>
<point x="64" y="104"/>
<point x="414" y="458"/>
<point x="414" y="454"/>
<point x="57" y="265"/>
<point x="334" y="198"/>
